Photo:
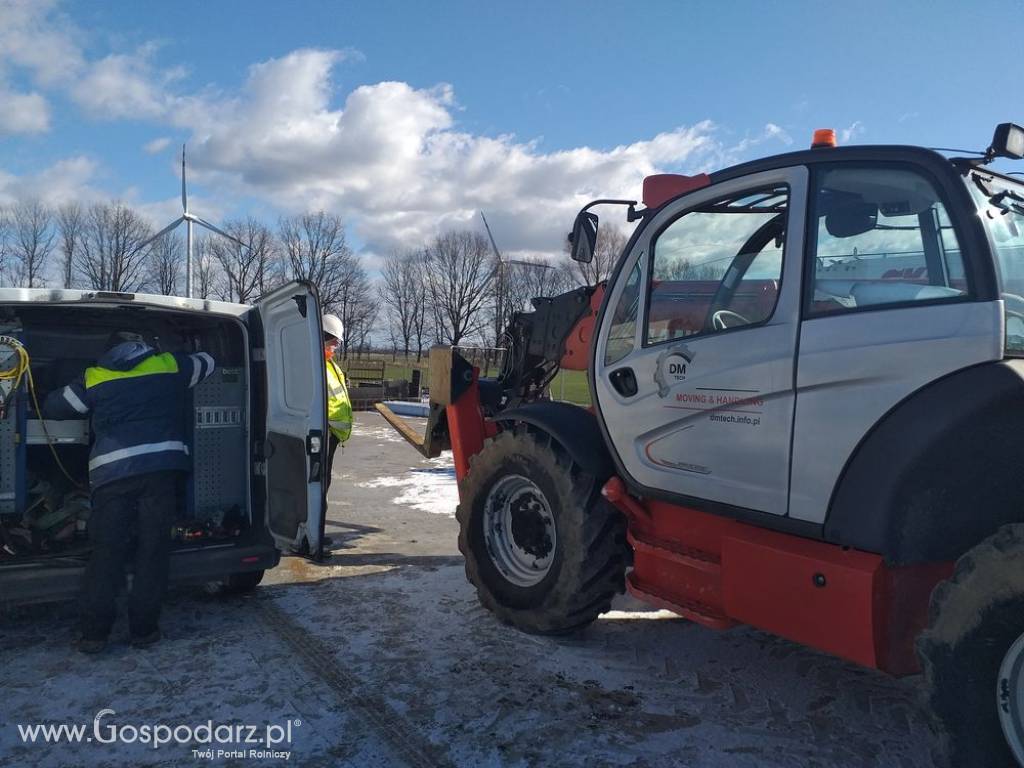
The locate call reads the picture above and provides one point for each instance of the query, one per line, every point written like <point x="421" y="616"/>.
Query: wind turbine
<point x="500" y="277"/>
<point x="189" y="219"/>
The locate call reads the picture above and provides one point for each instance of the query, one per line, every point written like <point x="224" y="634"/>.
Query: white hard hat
<point x="333" y="327"/>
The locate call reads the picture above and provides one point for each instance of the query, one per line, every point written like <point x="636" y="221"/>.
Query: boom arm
<point x="557" y="334"/>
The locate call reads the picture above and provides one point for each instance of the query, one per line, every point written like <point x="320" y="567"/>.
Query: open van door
<point x="296" y="417"/>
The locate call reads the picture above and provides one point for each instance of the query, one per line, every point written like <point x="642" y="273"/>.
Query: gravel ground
<point x="382" y="656"/>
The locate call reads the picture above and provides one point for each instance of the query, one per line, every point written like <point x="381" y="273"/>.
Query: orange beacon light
<point x="824" y="137"/>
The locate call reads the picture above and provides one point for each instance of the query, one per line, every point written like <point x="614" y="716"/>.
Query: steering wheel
<point x="726" y="318"/>
<point x="1013" y="304"/>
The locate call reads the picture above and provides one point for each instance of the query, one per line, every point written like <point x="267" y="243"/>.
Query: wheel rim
<point x="519" y="530"/>
<point x="1010" y="698"/>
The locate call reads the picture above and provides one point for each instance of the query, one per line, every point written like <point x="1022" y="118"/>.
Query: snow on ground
<point x="428" y="489"/>
<point x="380" y="432"/>
<point x="637" y="688"/>
<point x="419" y="660"/>
<point x="385" y="657"/>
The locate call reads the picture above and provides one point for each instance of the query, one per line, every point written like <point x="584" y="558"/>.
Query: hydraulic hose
<point x="23" y="370"/>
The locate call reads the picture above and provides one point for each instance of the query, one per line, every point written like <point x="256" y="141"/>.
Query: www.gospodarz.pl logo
<point x="217" y="740"/>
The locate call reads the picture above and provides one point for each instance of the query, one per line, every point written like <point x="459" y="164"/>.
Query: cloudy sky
<point x="410" y="117"/>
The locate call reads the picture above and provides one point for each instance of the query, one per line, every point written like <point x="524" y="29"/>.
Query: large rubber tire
<point x="974" y="617"/>
<point x="588" y="563"/>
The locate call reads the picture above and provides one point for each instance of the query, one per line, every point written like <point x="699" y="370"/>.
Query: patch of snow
<point x="632" y="615"/>
<point x="383" y="434"/>
<point x="430" y="489"/>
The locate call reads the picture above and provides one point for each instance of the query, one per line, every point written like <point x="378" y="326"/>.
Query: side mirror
<point x="851" y="219"/>
<point x="583" y="237"/>
<point x="1008" y="142"/>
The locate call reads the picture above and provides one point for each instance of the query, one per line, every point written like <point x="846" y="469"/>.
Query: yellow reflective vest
<point x="339" y="407"/>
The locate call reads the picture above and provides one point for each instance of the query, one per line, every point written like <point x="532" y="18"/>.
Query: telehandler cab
<point x="807" y="385"/>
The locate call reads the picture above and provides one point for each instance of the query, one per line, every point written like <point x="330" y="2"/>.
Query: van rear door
<point x="296" y="417"/>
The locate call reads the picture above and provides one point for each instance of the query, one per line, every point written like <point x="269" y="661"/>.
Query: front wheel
<point x="544" y="550"/>
<point x="972" y="655"/>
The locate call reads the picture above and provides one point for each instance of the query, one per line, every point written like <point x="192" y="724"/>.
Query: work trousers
<point x="332" y="446"/>
<point x="130" y="518"/>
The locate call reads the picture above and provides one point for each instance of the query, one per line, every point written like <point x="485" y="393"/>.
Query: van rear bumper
<point x="54" y="580"/>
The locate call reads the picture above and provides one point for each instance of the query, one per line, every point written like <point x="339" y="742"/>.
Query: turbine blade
<point x="221" y="232"/>
<point x="162" y="232"/>
<point x="184" y="196"/>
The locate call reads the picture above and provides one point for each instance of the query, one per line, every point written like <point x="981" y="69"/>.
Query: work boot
<point x="145" y="641"/>
<point x="91" y="646"/>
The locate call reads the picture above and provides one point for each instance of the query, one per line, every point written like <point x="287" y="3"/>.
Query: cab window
<point x="884" y="238"/>
<point x="622" y="332"/>
<point x="1001" y="205"/>
<point x="717" y="267"/>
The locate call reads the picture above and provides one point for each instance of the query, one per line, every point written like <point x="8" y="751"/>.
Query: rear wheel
<point x="972" y="655"/>
<point x="543" y="548"/>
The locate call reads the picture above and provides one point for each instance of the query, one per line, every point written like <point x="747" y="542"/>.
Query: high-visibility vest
<point x="339" y="407"/>
<point x="136" y="401"/>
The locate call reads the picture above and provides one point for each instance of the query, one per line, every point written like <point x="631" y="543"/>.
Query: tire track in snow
<point x="395" y="730"/>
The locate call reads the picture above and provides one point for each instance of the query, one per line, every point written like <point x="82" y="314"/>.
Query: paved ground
<point x="382" y="656"/>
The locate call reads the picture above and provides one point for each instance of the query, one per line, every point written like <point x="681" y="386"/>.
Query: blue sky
<point x="522" y="109"/>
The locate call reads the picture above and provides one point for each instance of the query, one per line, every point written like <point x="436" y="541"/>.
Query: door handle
<point x="314" y="447"/>
<point x="624" y="381"/>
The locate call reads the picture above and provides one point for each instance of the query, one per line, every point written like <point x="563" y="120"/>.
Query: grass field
<point x="570" y="386"/>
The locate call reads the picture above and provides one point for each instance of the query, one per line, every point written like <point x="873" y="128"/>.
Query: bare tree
<point x="362" y="326"/>
<point x="112" y="256"/>
<point x="71" y="224"/>
<point x="204" y="270"/>
<point x="458" y="271"/>
<point x="164" y="266"/>
<point x="316" y="250"/>
<point x="684" y="269"/>
<point x="355" y="303"/>
<point x="5" y="228"/>
<point x="611" y="241"/>
<point x="420" y="325"/>
<point x="32" y="239"/>
<point x="401" y="292"/>
<point x="248" y="270"/>
<point x="531" y="278"/>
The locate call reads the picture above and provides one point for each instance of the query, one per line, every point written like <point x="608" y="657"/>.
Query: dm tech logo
<point x="672" y="367"/>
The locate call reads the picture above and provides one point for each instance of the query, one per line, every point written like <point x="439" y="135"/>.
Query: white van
<point x="257" y="434"/>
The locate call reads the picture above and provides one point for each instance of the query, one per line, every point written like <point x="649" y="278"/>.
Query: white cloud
<point x="773" y="131"/>
<point x="35" y="37"/>
<point x="852" y="131"/>
<point x="23" y="112"/>
<point x="391" y="158"/>
<point x="123" y="86"/>
<point x="157" y="146"/>
<point x="67" y="180"/>
<point x="770" y="132"/>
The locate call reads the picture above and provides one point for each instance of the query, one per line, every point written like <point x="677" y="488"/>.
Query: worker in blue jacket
<point x="136" y="399"/>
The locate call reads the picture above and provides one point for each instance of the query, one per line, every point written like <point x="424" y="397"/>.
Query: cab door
<point x="889" y="310"/>
<point x="296" y="417"/>
<point x="695" y="357"/>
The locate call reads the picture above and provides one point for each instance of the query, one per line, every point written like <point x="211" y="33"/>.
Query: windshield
<point x="1001" y="205"/>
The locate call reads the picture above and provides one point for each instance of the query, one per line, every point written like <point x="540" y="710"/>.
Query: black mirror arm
<point x="632" y="214"/>
<point x="608" y="201"/>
